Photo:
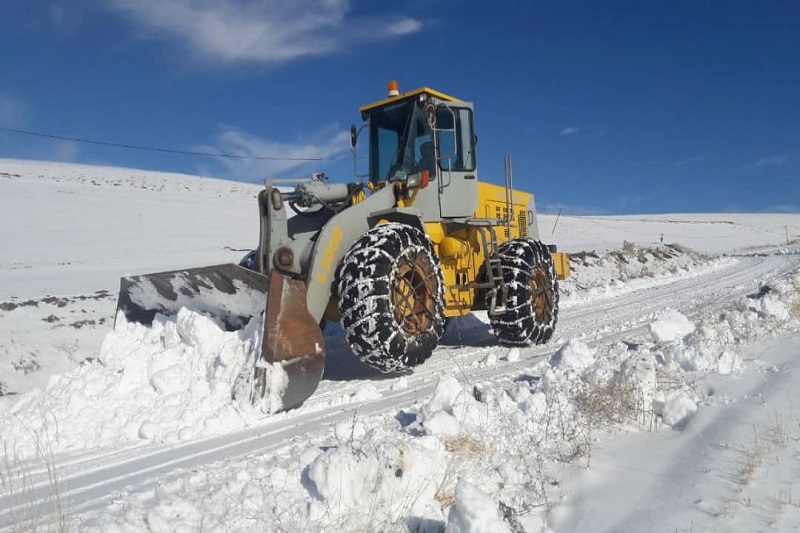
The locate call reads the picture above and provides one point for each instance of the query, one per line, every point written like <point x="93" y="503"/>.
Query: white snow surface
<point x="670" y="326"/>
<point x="666" y="400"/>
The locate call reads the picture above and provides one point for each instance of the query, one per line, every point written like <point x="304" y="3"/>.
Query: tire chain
<point x="518" y="325"/>
<point x="364" y="285"/>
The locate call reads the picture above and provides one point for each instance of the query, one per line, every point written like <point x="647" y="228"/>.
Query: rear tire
<point x="532" y="307"/>
<point x="391" y="297"/>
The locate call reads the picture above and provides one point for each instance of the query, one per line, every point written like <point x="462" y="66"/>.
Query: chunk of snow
<point x="392" y="479"/>
<point x="575" y="354"/>
<point x="512" y="355"/>
<point x="474" y="511"/>
<point x="446" y="391"/>
<point x="705" y="350"/>
<point x="773" y="307"/>
<point x="452" y="410"/>
<point x="366" y="392"/>
<point x="678" y="408"/>
<point x="199" y="331"/>
<point x="641" y="372"/>
<point x="150" y="431"/>
<point x="728" y="362"/>
<point x="341" y="478"/>
<point x="671" y="326"/>
<point x="400" y="384"/>
<point x="277" y="381"/>
<point x="171" y="380"/>
<point x="349" y="431"/>
<point x="520" y="393"/>
<point x="442" y="424"/>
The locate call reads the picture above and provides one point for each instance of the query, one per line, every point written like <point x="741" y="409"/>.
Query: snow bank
<point x="181" y="378"/>
<point x="594" y="273"/>
<point x="714" y="344"/>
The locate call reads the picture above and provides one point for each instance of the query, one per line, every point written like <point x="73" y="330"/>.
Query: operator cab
<point x="425" y="130"/>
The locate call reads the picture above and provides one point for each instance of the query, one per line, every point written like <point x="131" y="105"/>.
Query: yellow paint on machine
<point x="405" y="96"/>
<point x="329" y="254"/>
<point x="461" y="250"/>
<point x="561" y="261"/>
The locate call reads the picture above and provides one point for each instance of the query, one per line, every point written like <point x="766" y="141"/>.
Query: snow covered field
<point x="665" y="402"/>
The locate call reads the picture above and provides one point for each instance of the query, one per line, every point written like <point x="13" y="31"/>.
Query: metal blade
<point x="228" y="292"/>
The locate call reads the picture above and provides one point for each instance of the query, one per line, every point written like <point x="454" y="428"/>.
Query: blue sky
<point x="606" y="107"/>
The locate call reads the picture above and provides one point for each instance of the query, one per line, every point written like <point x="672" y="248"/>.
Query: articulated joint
<point x="284" y="258"/>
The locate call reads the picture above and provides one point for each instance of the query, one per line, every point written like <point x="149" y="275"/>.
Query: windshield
<point x="399" y="134"/>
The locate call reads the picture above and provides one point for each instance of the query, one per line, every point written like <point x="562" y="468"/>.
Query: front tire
<point x="532" y="306"/>
<point x="391" y="297"/>
<point x="249" y="261"/>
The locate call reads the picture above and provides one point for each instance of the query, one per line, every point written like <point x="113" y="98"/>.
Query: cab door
<point x="454" y="135"/>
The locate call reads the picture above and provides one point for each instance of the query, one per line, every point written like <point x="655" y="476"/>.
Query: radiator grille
<point x="519" y="226"/>
<point x="522" y="221"/>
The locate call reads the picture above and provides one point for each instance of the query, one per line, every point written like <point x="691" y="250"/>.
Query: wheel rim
<point x="413" y="293"/>
<point x="541" y="294"/>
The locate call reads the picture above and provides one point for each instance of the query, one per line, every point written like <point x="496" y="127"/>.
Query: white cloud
<point x="571" y="130"/>
<point x="772" y="161"/>
<point x="265" y="31"/>
<point x="403" y="26"/>
<point x="327" y="144"/>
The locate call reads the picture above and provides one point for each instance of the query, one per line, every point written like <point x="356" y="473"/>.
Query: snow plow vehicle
<point x="391" y="258"/>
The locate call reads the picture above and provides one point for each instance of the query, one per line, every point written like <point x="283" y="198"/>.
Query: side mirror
<point x="353" y="136"/>
<point x="430" y="111"/>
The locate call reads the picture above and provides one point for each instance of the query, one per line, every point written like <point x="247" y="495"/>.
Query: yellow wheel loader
<point x="391" y="257"/>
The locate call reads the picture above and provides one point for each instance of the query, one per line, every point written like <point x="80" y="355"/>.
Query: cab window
<point x="401" y="140"/>
<point x="455" y="136"/>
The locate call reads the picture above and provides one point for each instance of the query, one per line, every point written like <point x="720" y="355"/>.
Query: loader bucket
<point x="229" y="293"/>
<point x="233" y="295"/>
<point x="292" y="338"/>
